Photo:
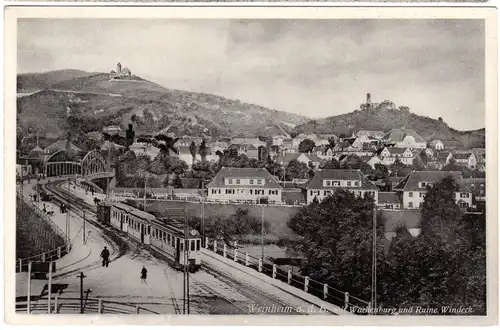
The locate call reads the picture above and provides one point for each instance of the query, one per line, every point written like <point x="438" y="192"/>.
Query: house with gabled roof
<point x="388" y="155"/>
<point x="404" y="138"/>
<point x="244" y="184"/>
<point x="467" y="159"/>
<point x="61" y="145"/>
<point x="326" y="181"/>
<point x="413" y="188"/>
<point x="285" y="158"/>
<point x="372" y="134"/>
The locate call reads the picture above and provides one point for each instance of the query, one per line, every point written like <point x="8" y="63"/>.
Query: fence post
<point x="235" y="244"/>
<point x="206" y="242"/>
<point x="306" y="283"/>
<point x="20" y="265"/>
<point x="325" y="291"/>
<point x="370" y="312"/>
<point x="246" y="259"/>
<point x="99" y="307"/>
<point x="274" y="271"/>
<point x="43" y="257"/>
<point x="235" y="258"/>
<point x="137" y="309"/>
<point x="224" y="251"/>
<point x="346" y="300"/>
<point x="289" y="276"/>
<point x="215" y="246"/>
<point x="55" y="305"/>
<point x="260" y="264"/>
<point x="59" y="252"/>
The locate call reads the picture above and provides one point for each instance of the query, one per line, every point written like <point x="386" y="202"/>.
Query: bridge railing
<point x="321" y="290"/>
<point x="67" y="305"/>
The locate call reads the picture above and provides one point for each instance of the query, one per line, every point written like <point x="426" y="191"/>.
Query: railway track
<point x="124" y="246"/>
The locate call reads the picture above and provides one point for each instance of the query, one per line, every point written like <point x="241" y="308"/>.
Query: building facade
<point x="244" y="184"/>
<point x="413" y="188"/>
<point x="326" y="181"/>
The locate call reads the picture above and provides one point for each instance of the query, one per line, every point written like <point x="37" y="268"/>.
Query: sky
<point x="315" y="68"/>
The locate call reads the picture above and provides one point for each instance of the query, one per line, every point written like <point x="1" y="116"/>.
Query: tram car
<point x="162" y="236"/>
<point x="168" y="238"/>
<point x="104" y="212"/>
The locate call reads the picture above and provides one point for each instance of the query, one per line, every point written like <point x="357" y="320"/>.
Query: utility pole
<point x="68" y="218"/>
<point x="81" y="277"/>
<point x="145" y="181"/>
<point x="84" y="233"/>
<point x="203" y="211"/>
<point x="374" y="261"/>
<point x="186" y="266"/>
<point x="262" y="232"/>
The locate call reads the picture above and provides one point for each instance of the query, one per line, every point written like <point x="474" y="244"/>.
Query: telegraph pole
<point x="374" y="261"/>
<point x="84" y="227"/>
<point x="68" y="218"/>
<point x="186" y="266"/>
<point x="203" y="211"/>
<point x="262" y="232"/>
<point x="81" y="277"/>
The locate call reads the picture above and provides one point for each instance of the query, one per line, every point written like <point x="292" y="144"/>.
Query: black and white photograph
<point x="319" y="167"/>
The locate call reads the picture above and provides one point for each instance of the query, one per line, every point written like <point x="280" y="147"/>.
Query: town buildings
<point x="413" y="188"/>
<point x="404" y="138"/>
<point x="244" y="184"/>
<point x="326" y="181"/>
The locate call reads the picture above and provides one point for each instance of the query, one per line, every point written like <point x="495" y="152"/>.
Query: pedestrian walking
<point x="105" y="257"/>
<point x="144" y="275"/>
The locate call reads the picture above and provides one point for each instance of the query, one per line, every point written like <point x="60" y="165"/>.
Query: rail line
<point x="177" y="310"/>
<point x="254" y="295"/>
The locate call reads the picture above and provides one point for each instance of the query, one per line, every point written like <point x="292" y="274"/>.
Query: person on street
<point x="105" y="257"/>
<point x="144" y="275"/>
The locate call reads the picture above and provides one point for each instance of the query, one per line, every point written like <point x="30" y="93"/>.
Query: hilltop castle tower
<point x="120" y="73"/>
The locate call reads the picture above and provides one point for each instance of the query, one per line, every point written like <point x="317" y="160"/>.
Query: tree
<point x="331" y="164"/>
<point x="306" y="145"/>
<point x="129" y="135"/>
<point x="337" y="241"/>
<point x="296" y="170"/>
<point x="381" y="171"/>
<point x="203" y="150"/>
<point x="332" y="142"/>
<point x="202" y="170"/>
<point x="452" y="166"/>
<point x="447" y="260"/>
<point x="440" y="119"/>
<point x="192" y="150"/>
<point x="93" y="140"/>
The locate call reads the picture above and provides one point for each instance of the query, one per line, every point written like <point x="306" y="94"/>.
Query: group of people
<point x="105" y="263"/>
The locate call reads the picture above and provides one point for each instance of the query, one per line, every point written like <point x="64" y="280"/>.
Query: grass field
<point x="276" y="216"/>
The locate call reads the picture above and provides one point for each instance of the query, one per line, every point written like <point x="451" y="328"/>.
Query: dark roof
<point x="61" y="145"/>
<point x="396" y="179"/>
<point x="398" y="135"/>
<point x="462" y="155"/>
<point x="397" y="151"/>
<point x="388" y="198"/>
<point x="411" y="181"/>
<point x="246" y="172"/>
<point x="330" y="174"/>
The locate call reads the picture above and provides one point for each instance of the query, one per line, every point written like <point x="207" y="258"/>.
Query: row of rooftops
<point x="409" y="183"/>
